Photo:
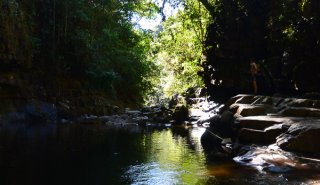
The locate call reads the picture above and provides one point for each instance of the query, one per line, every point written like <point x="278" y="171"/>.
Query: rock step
<point x="262" y="122"/>
<point x="302" y="137"/>
<point x="292" y="102"/>
<point x="300" y="112"/>
<point x="293" y="123"/>
<point x="267" y="136"/>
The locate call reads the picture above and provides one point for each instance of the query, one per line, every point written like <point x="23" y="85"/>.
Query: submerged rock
<point x="271" y="159"/>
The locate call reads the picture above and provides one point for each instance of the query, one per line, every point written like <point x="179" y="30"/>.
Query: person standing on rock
<point x="261" y="81"/>
<point x="254" y="74"/>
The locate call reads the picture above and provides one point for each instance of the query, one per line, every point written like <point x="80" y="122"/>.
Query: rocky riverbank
<point x="270" y="133"/>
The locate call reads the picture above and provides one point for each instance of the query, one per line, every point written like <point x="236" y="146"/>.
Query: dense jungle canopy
<point x="53" y="45"/>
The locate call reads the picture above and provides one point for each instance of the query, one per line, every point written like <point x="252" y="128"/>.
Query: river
<point x="78" y="154"/>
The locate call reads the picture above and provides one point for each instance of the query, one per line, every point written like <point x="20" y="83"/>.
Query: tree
<point x="93" y="42"/>
<point x="179" y="47"/>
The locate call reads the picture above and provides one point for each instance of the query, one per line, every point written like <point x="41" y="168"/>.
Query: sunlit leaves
<point x="181" y="47"/>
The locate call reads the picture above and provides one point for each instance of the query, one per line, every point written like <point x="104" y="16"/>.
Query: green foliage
<point x="179" y="48"/>
<point x="95" y="41"/>
<point x="92" y="41"/>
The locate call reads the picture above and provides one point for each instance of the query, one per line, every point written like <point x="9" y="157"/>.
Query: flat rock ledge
<point x="290" y="123"/>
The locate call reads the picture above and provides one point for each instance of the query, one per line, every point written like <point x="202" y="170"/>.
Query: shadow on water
<point x="99" y="154"/>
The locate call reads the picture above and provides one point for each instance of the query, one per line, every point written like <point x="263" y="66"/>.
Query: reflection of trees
<point x="180" y="131"/>
<point x="73" y="153"/>
<point x="190" y="135"/>
<point x="184" y="133"/>
<point x="171" y="149"/>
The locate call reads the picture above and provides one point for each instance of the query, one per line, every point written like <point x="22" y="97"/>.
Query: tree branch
<point x="162" y="10"/>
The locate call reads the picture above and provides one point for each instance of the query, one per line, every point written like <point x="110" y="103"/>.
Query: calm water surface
<point x="100" y="155"/>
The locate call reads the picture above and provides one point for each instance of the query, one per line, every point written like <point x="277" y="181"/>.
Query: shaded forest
<point x="282" y="36"/>
<point x="84" y="51"/>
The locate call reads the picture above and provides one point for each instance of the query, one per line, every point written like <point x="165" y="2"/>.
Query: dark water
<point x="100" y="155"/>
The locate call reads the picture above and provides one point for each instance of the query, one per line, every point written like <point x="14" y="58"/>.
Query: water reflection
<point x="100" y="155"/>
<point x="174" y="157"/>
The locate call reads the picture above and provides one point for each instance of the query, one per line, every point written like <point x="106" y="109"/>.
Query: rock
<point x="180" y="114"/>
<point x="283" y="103"/>
<point x="230" y="102"/>
<point x="294" y="124"/>
<point x="303" y="103"/>
<point x="38" y="111"/>
<point x="211" y="143"/>
<point x="246" y="136"/>
<point x="141" y="120"/>
<point x="190" y="93"/>
<point x="249" y="110"/>
<point x="223" y="125"/>
<point x="312" y="95"/>
<point x="274" y="131"/>
<point x="270" y="159"/>
<point x="201" y="92"/>
<point x="146" y="109"/>
<point x="176" y="100"/>
<point x="105" y="118"/>
<point x="302" y="137"/>
<point x="89" y="119"/>
<point x="246" y="99"/>
<point x="133" y="112"/>
<point x="300" y="112"/>
<point x="114" y="109"/>
<point x="262" y="122"/>
<point x="277" y="169"/>
<point x="267" y="136"/>
<point x="227" y="121"/>
<point x="267" y="101"/>
<point x="258" y="100"/>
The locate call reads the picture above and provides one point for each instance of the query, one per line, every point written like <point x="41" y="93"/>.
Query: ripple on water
<point x="151" y="173"/>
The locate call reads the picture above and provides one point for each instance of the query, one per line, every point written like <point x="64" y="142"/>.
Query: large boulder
<point x="244" y="98"/>
<point x="246" y="136"/>
<point x="249" y="110"/>
<point x="247" y="99"/>
<point x="266" y="136"/>
<point x="180" y="114"/>
<point x="210" y="141"/>
<point x="302" y="137"/>
<point x="223" y="125"/>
